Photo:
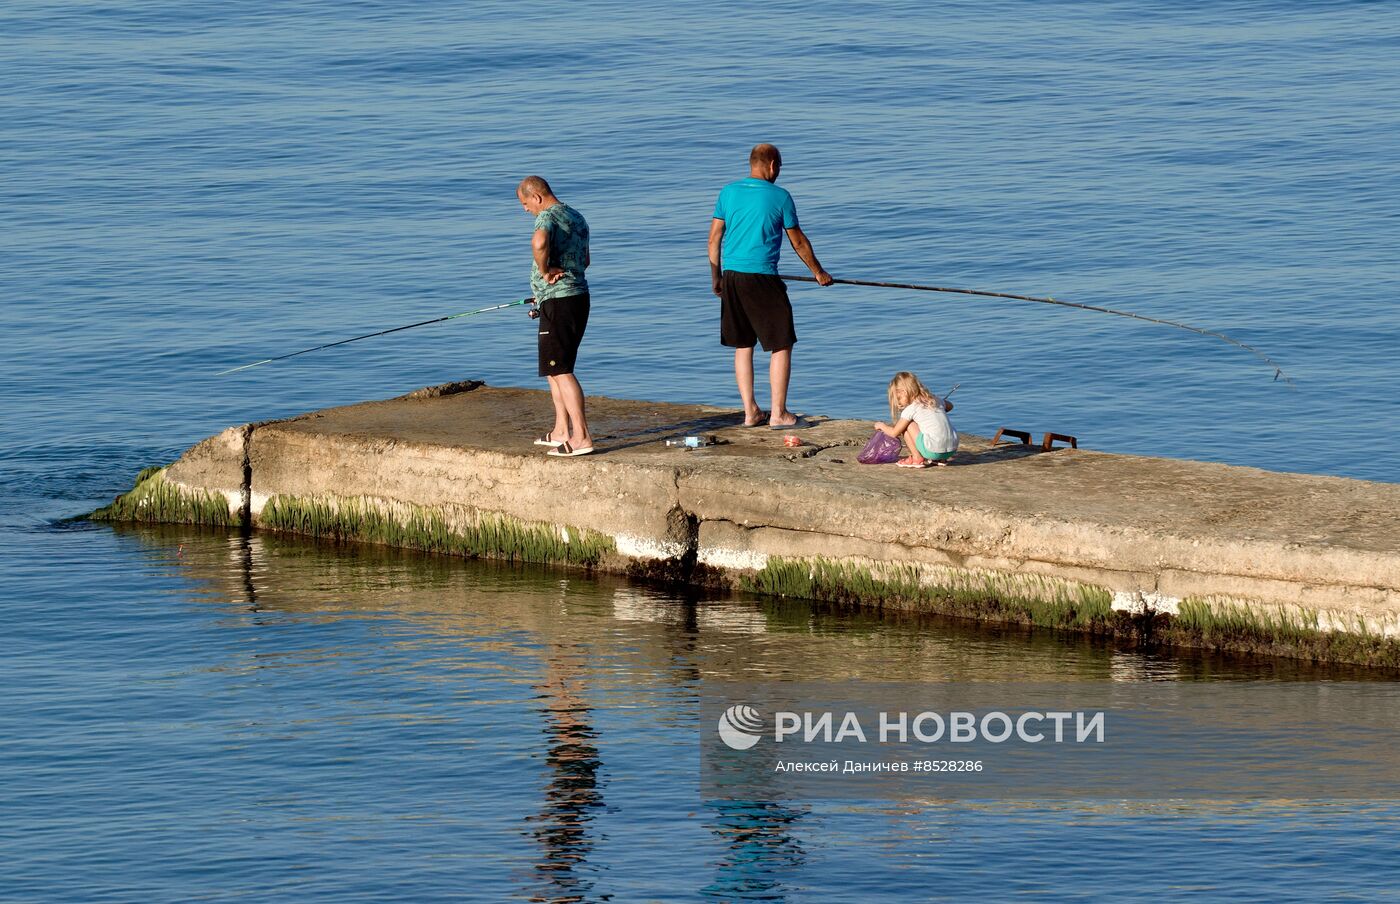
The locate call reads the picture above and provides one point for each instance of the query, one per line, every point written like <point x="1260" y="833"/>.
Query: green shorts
<point x="928" y="453"/>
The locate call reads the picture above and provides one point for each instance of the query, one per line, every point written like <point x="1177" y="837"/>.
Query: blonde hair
<point x="907" y="386"/>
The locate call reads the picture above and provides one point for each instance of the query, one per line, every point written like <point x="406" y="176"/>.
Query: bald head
<point x="765" y="153"/>
<point x="534" y="185"/>
<point x="535" y="194"/>
<point x="765" y="161"/>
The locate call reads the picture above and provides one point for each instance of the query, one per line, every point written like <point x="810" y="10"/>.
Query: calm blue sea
<point x="190" y="186"/>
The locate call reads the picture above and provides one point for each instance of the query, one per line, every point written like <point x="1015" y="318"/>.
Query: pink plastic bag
<point x="881" y="450"/>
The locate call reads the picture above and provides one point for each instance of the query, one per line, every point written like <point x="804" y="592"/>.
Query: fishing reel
<point x="534" y="312"/>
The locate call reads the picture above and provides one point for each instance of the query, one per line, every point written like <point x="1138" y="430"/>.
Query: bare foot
<point x="755" y="418"/>
<point x="786" y="419"/>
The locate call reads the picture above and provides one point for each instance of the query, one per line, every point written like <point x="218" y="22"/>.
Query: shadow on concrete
<point x="994" y="454"/>
<point x="635" y="435"/>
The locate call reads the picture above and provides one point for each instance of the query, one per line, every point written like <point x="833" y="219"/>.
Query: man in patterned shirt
<point x="560" y="247"/>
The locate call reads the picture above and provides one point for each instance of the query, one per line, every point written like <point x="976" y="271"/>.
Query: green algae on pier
<point x="154" y="499"/>
<point x="417" y="527"/>
<point x="1016" y="598"/>
<point x="1270" y="631"/>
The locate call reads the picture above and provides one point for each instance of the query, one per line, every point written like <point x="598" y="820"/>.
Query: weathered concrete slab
<point x="1242" y="547"/>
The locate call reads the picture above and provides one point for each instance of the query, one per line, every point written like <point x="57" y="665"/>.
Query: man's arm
<point x="716" y="243"/>
<point x="803" y="247"/>
<point x="540" y="245"/>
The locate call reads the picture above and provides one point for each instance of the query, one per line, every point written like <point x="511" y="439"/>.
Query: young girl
<point x="922" y="420"/>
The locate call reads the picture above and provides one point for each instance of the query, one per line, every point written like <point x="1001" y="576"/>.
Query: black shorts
<point x="754" y="307"/>
<point x="562" y="322"/>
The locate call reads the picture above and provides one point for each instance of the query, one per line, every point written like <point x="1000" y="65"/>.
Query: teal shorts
<point x="928" y="453"/>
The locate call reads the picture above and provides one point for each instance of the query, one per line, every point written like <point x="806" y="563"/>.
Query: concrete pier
<point x="1144" y="549"/>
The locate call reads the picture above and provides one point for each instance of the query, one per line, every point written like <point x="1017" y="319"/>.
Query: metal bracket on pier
<point x="1023" y="435"/>
<point x="1051" y="438"/>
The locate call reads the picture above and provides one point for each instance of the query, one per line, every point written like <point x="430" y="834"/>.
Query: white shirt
<point x="939" y="435"/>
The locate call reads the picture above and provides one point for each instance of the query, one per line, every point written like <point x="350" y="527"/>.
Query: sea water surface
<point x="191" y="186"/>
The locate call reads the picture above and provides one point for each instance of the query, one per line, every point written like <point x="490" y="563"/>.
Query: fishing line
<point x="397" y="329"/>
<point x="1278" y="371"/>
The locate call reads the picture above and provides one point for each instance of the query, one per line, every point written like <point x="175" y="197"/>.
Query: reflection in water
<point x="245" y="542"/>
<point x="667" y="638"/>
<point x="761" y="849"/>
<point x="396" y="649"/>
<point x="758" y="846"/>
<point x="573" y="792"/>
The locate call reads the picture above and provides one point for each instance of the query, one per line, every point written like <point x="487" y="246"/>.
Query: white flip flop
<point x="567" y="451"/>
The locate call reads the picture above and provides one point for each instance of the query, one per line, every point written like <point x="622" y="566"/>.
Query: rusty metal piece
<point x="1050" y="439"/>
<point x="1023" y="435"/>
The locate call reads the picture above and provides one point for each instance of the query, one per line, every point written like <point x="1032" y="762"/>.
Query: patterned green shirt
<point x="568" y="250"/>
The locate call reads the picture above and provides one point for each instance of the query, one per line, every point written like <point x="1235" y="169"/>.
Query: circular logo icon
<point x="740" y="726"/>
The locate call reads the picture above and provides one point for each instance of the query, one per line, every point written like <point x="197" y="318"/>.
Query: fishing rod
<point x="1278" y="371"/>
<point x="397" y="329"/>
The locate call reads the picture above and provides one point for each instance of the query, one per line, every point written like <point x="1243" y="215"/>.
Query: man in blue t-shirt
<point x="746" y="236"/>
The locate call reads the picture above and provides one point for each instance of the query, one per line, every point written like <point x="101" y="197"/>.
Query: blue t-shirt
<point x="755" y="214"/>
